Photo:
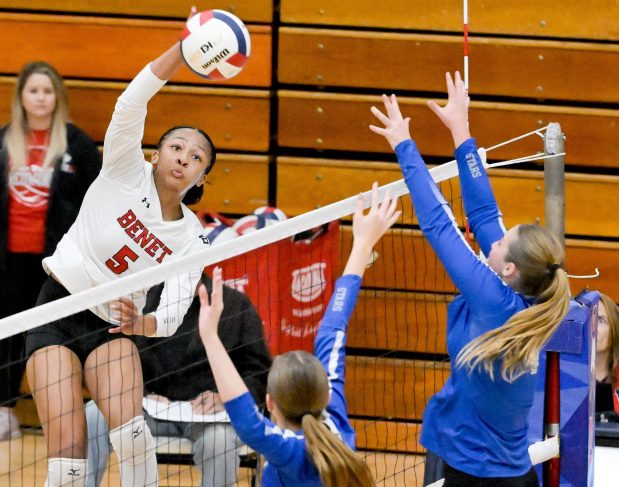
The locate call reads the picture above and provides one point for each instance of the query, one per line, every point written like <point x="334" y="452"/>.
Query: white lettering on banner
<point x="238" y="283"/>
<point x="305" y="312"/>
<point x="309" y="282"/>
<point x="297" y="331"/>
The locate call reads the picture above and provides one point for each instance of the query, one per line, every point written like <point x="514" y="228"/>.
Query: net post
<point x="554" y="207"/>
<point x="554" y="181"/>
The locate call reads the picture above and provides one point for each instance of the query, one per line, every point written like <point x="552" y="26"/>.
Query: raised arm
<point x="123" y="159"/>
<point x="252" y="354"/>
<point x="482" y="288"/>
<point x="229" y="382"/>
<point x="479" y="202"/>
<point x="253" y="429"/>
<point x="329" y="346"/>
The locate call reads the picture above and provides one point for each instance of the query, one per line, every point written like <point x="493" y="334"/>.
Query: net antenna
<point x="465" y="19"/>
<point x="539" y="156"/>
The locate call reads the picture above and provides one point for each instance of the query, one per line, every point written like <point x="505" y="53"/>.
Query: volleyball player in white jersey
<point x="132" y="218"/>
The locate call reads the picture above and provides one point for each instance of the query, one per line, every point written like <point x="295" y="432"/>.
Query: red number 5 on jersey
<point x="119" y="263"/>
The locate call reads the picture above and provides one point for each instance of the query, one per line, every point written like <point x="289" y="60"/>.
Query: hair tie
<point x="553" y="268"/>
<point x="299" y="419"/>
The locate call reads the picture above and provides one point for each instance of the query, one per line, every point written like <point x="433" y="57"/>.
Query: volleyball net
<point x="279" y="280"/>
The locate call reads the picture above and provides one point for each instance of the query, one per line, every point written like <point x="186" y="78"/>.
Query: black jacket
<point x="176" y="367"/>
<point x="67" y="189"/>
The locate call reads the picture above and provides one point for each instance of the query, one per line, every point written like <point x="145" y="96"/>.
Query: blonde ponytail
<point x="538" y="257"/>
<point x="337" y="465"/>
<point x="299" y="386"/>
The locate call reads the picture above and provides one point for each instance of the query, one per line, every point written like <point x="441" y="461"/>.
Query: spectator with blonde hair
<point x="46" y="166"/>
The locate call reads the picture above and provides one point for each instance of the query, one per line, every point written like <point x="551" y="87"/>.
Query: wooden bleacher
<point x="315" y="69"/>
<point x="340" y="122"/>
<point x="218" y="110"/>
<point x="417" y="62"/>
<point x="401" y="272"/>
<point x="248" y="10"/>
<point x="392" y="388"/>
<point x="305" y="184"/>
<point x="129" y="45"/>
<point x="593" y="19"/>
<point x="239" y="184"/>
<point x="400" y="320"/>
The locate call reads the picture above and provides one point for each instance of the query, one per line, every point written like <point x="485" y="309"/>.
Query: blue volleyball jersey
<point x="476" y="424"/>
<point x="287" y="462"/>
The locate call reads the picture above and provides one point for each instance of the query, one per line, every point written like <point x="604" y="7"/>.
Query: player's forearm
<point x="358" y="259"/>
<point x="167" y="63"/>
<point x="460" y="133"/>
<point x="230" y="385"/>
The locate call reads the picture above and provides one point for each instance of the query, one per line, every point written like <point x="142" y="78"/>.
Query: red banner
<point x="290" y="283"/>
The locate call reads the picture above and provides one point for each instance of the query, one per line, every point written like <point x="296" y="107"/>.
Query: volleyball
<point x="271" y="213"/>
<point x="218" y="232"/>
<point x="251" y="223"/>
<point x="215" y="44"/>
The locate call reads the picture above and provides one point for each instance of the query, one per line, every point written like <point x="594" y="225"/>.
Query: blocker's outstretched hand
<point x="229" y="383"/>
<point x="455" y="114"/>
<point x="210" y="312"/>
<point x="396" y="129"/>
<point x="369" y="228"/>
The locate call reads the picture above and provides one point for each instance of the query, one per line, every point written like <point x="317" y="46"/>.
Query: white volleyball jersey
<point x="119" y="229"/>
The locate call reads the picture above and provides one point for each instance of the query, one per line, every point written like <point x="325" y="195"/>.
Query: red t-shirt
<point x="616" y="390"/>
<point x="28" y="198"/>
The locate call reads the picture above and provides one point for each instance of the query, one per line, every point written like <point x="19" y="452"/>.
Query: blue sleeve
<point x="480" y="205"/>
<point x="478" y="283"/>
<point x="330" y="343"/>
<point x="257" y="432"/>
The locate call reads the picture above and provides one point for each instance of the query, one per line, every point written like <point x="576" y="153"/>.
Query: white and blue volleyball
<point x="218" y="232"/>
<point x="263" y="217"/>
<point x="271" y="213"/>
<point x="215" y="44"/>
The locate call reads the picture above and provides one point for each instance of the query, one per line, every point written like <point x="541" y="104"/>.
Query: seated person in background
<point x="175" y="368"/>
<point x="607" y="357"/>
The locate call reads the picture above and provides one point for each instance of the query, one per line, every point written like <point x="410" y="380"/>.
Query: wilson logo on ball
<point x="215" y="44"/>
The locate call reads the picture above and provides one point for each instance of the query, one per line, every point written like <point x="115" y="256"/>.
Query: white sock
<point x="135" y="446"/>
<point x="63" y="472"/>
